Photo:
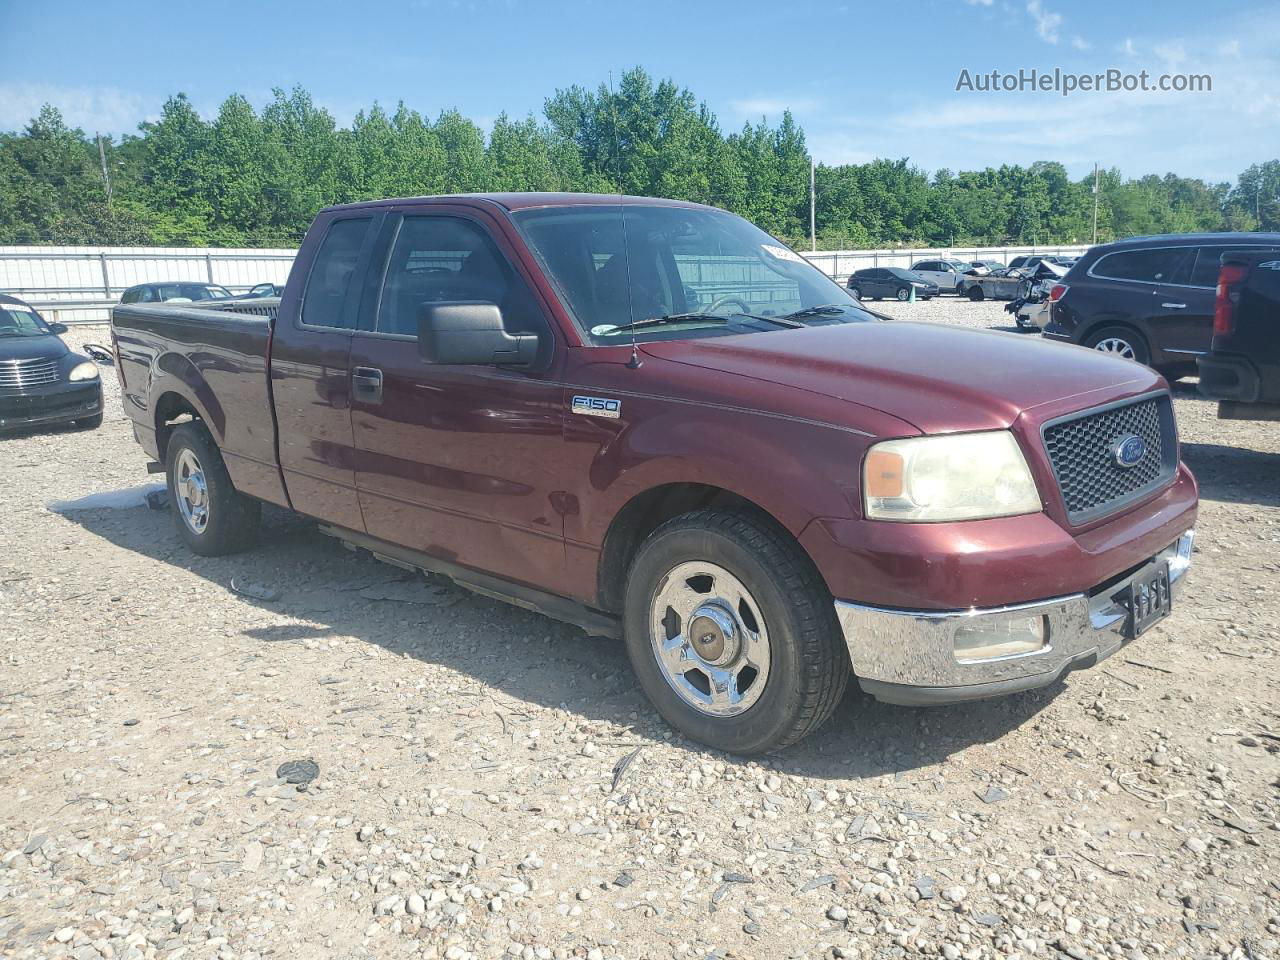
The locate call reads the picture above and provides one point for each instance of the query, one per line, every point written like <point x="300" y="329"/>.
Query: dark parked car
<point x="755" y="484"/>
<point x="1242" y="368"/>
<point x="179" y="290"/>
<point x="41" y="381"/>
<point x="1148" y="299"/>
<point x="876" y="282"/>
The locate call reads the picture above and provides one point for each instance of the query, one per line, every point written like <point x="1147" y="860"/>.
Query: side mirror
<point x="58" y="328"/>
<point x="471" y="331"/>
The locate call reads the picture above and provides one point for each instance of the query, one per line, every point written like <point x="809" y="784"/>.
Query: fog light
<point x="1006" y="637"/>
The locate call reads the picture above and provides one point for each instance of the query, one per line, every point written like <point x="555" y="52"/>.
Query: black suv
<point x="1149" y="299"/>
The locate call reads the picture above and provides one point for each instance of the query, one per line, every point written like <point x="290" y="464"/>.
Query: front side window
<point x="441" y="258"/>
<point x="330" y="299"/>
<point x="19" y="320"/>
<point x="662" y="273"/>
<point x="1158" y="265"/>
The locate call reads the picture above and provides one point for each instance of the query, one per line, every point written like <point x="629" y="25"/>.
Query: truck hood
<point x="940" y="379"/>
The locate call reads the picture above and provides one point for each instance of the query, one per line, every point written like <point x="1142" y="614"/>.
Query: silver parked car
<point x="946" y="273"/>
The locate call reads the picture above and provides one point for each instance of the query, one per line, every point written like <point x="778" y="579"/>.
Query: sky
<point x="864" y="79"/>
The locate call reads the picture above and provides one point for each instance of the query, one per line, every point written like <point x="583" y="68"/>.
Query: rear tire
<point x="725" y="597"/>
<point x="1121" y="342"/>
<point x="211" y="516"/>
<point x="855" y="293"/>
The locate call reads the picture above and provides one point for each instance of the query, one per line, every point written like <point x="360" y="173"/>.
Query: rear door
<point x="310" y="369"/>
<point x="458" y="461"/>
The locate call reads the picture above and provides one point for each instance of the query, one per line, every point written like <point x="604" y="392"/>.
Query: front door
<point x="457" y="461"/>
<point x="310" y="382"/>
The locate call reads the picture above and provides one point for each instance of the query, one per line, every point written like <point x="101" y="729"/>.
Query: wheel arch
<point x="649" y="509"/>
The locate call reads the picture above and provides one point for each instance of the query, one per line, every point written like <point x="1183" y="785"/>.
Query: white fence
<point x="79" y="284"/>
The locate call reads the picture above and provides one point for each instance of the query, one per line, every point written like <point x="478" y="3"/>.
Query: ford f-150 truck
<point x="1242" y="368"/>
<point x="653" y="420"/>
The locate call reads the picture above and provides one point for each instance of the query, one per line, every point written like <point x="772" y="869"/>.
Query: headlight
<point x="83" y="371"/>
<point x="965" y="476"/>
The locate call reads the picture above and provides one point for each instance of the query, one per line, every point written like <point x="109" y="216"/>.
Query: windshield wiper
<point x="823" y="310"/>
<point x="670" y="318"/>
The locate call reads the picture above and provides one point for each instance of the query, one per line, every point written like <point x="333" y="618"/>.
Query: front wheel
<point x="976" y="293"/>
<point x="211" y="516"/>
<point x="903" y="294"/>
<point x="732" y="633"/>
<point x="855" y="293"/>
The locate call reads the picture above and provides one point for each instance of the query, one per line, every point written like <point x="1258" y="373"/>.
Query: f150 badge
<point x="597" y="407"/>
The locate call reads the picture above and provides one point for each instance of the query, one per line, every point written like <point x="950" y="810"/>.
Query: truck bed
<point x="212" y="360"/>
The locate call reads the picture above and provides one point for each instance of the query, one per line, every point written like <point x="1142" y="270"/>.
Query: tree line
<point x="256" y="178"/>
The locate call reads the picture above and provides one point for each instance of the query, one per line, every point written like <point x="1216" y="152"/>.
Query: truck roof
<point x="523" y="201"/>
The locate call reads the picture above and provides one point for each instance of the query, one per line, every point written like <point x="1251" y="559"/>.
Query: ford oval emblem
<point x="1130" y="450"/>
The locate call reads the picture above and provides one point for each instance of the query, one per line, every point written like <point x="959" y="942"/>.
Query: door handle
<point x="1174" y="306"/>
<point x="366" y="384"/>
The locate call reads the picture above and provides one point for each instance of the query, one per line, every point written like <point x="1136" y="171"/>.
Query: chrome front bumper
<point x="908" y="656"/>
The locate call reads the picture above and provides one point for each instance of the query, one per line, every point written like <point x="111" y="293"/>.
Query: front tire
<point x="976" y="293"/>
<point x="211" y="516"/>
<point x="903" y="294"/>
<point x="732" y="633"/>
<point x="855" y="293"/>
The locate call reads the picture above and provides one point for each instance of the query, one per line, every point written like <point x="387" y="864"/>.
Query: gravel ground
<point x="488" y="782"/>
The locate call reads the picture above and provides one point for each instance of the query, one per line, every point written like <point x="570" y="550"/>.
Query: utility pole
<point x="1095" y="202"/>
<point x="813" y="205"/>
<point x="106" y="177"/>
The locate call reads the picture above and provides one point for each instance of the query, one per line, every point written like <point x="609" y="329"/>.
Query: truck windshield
<point x="667" y="273"/>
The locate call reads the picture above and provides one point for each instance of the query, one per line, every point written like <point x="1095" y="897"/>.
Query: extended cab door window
<point x="331" y="300"/>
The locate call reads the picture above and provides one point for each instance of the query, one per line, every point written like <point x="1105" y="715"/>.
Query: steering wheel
<point x="725" y="301"/>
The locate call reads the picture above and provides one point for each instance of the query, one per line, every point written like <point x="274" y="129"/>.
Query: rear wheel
<point x="1122" y="342"/>
<point x="855" y="293"/>
<point x="211" y="516"/>
<point x="732" y="633"/>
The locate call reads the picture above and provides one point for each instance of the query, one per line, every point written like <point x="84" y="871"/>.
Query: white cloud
<point x="102" y="109"/>
<point x="1229" y="48"/>
<point x="772" y="106"/>
<point x="1047" y="23"/>
<point x="1128" y="48"/>
<point x="1079" y="42"/>
<point x="979" y="3"/>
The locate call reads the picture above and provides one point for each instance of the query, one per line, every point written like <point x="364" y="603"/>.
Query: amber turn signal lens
<point x="884" y="474"/>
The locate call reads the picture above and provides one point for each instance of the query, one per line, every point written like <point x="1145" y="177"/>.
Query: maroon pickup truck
<point x="653" y="420"/>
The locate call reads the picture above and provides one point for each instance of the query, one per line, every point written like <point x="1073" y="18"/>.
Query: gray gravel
<point x="463" y="805"/>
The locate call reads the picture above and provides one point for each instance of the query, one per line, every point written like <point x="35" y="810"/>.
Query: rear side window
<point x="1209" y="259"/>
<point x="330" y="300"/>
<point x="438" y="258"/>
<point x="1167" y="265"/>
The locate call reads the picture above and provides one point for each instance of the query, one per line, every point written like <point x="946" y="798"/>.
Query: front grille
<point x="1082" y="450"/>
<point x="26" y="374"/>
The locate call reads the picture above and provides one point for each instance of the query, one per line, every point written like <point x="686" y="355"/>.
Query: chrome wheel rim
<point x="903" y="294"/>
<point x="1121" y="348"/>
<point x="709" y="639"/>
<point x="191" y="491"/>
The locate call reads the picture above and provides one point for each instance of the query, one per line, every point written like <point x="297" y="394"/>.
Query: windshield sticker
<point x="781" y="253"/>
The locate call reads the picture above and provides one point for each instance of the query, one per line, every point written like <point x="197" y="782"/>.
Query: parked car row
<point x="186" y="291"/>
<point x="975" y="279"/>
